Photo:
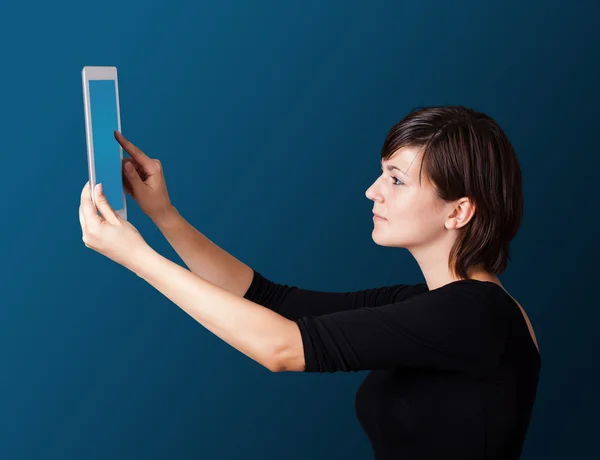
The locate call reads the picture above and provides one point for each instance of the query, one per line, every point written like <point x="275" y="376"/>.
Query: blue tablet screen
<point x="107" y="155"/>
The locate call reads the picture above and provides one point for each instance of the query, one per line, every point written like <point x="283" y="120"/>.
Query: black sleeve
<point x="450" y="329"/>
<point x="293" y="302"/>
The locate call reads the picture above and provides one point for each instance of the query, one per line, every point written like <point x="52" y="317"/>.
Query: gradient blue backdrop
<point x="268" y="118"/>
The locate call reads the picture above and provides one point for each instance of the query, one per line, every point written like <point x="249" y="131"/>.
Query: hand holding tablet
<point x="146" y="182"/>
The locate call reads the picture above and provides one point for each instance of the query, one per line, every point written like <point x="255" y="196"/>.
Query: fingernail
<point x="99" y="189"/>
<point x="128" y="167"/>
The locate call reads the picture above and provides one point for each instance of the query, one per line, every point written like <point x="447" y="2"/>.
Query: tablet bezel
<point x="100" y="73"/>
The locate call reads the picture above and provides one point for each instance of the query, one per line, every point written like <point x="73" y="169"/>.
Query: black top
<point x="453" y="371"/>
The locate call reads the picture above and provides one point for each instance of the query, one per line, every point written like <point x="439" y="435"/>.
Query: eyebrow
<point x="391" y="167"/>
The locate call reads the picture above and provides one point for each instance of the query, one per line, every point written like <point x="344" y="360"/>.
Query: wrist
<point x="143" y="260"/>
<point x="166" y="217"/>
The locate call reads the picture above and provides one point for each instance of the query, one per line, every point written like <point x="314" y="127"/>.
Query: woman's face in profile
<point x="414" y="214"/>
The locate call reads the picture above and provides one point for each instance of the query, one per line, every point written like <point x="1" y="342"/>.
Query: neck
<point x="433" y="261"/>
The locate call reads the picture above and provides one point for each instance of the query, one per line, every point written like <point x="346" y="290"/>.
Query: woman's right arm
<point x="202" y="256"/>
<point x="145" y="182"/>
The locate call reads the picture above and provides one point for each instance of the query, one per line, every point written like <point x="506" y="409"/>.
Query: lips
<point x="377" y="215"/>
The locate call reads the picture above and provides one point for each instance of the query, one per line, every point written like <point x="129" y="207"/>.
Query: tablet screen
<point x="107" y="155"/>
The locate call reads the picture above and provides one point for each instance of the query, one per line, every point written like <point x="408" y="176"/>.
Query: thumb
<point x="104" y="206"/>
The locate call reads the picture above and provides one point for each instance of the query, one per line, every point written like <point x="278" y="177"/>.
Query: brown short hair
<point x="467" y="154"/>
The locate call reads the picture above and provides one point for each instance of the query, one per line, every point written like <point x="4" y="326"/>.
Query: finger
<point x="132" y="150"/>
<point x="136" y="165"/>
<point x="104" y="206"/>
<point x="140" y="170"/>
<point x="83" y="226"/>
<point x="133" y="177"/>
<point x="124" y="180"/>
<point x="90" y="214"/>
<point x="126" y="186"/>
<point x="81" y="219"/>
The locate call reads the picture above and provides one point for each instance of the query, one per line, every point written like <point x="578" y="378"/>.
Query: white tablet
<point x="102" y="118"/>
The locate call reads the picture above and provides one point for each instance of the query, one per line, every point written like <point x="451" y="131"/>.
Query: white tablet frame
<point x="100" y="73"/>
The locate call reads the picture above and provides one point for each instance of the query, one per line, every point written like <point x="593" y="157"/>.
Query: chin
<point x="382" y="241"/>
<point x="387" y="242"/>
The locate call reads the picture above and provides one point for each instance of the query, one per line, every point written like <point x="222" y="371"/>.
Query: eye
<point x="396" y="179"/>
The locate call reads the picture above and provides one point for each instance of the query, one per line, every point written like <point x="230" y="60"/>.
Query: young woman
<point x="453" y="361"/>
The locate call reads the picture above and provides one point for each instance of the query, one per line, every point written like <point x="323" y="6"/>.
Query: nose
<point x="373" y="193"/>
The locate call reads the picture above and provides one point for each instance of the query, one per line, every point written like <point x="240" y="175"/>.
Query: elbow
<point x="277" y="361"/>
<point x="288" y="353"/>
<point x="275" y="366"/>
<point x="286" y="359"/>
<point x="274" y="362"/>
<point x="279" y="365"/>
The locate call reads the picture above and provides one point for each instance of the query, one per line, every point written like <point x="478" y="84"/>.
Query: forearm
<point x="203" y="257"/>
<point x="261" y="334"/>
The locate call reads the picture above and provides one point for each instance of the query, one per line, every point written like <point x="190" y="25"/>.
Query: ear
<point x="463" y="211"/>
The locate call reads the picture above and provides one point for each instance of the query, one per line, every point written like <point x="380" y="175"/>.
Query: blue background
<point x="107" y="151"/>
<point x="268" y="118"/>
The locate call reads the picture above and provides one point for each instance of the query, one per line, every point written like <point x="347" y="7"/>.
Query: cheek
<point x="417" y="218"/>
<point x="406" y="205"/>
